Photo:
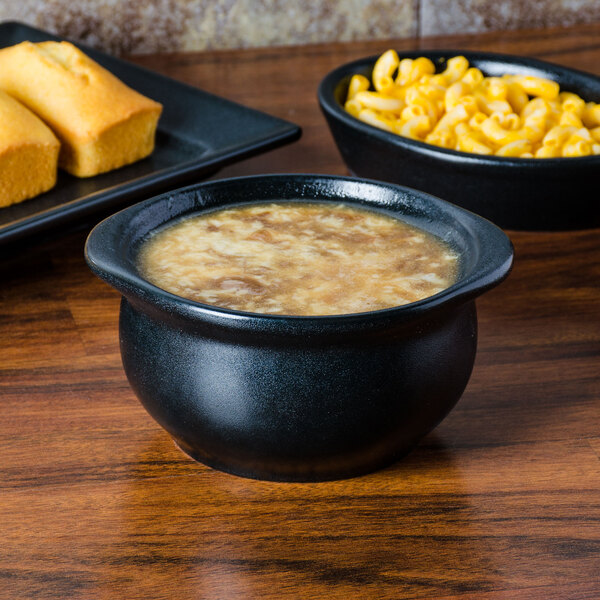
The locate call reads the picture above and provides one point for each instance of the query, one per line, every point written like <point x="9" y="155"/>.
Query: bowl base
<point x="301" y="476"/>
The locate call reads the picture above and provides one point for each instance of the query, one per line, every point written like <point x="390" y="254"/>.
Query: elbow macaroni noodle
<point x="461" y="109"/>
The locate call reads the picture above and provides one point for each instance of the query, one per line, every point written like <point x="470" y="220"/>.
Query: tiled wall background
<point x="142" y="26"/>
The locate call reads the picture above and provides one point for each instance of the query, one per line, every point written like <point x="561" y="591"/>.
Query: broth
<point x="298" y="259"/>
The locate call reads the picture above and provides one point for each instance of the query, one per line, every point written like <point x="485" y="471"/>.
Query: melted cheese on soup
<point x="298" y="259"/>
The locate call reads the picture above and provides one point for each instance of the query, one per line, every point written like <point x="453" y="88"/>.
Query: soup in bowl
<point x="301" y="353"/>
<point x="303" y="259"/>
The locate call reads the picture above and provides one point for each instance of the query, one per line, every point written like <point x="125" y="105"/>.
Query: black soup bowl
<point x="515" y="193"/>
<point x="298" y="398"/>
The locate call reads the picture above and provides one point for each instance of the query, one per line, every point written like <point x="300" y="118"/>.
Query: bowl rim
<point x="110" y="242"/>
<point x="329" y="104"/>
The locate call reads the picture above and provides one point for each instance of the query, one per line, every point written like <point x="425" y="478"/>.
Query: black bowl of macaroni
<point x="281" y="392"/>
<point x="513" y="139"/>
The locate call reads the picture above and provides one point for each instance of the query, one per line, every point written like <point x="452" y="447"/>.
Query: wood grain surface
<point x="500" y="502"/>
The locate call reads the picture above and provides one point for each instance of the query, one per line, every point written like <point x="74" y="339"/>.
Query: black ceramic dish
<point x="298" y="398"/>
<point x="198" y="133"/>
<point x="533" y="194"/>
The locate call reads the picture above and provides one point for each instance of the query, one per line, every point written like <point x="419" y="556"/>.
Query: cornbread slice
<point x="102" y="123"/>
<point x="28" y="153"/>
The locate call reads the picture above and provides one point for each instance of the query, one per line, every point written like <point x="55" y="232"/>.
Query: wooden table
<point x="501" y="501"/>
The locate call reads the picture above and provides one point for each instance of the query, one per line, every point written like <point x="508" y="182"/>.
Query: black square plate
<point x="198" y="133"/>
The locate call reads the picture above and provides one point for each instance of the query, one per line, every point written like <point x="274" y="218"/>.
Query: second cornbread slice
<point x="102" y="123"/>
<point x="28" y="153"/>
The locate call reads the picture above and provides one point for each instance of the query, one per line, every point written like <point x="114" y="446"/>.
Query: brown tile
<point x="117" y="27"/>
<point x="471" y="16"/>
<point x="142" y="26"/>
<point x="280" y="22"/>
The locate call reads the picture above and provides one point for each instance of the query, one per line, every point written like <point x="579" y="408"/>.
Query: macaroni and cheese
<point x="461" y="109"/>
